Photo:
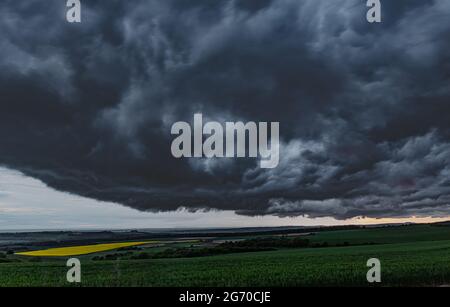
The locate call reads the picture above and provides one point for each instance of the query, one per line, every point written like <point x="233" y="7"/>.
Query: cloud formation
<point x="363" y="108"/>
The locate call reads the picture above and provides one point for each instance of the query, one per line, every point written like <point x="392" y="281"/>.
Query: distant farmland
<point x="80" y="250"/>
<point x="410" y="255"/>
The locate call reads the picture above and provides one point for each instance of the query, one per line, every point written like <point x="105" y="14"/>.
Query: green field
<point x="410" y="255"/>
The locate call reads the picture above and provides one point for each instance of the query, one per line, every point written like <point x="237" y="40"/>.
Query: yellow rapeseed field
<point x="80" y="250"/>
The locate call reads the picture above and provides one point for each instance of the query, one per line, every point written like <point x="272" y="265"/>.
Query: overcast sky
<point x="87" y="109"/>
<point x="28" y="204"/>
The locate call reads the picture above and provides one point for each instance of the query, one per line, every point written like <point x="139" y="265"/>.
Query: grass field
<point x="412" y="255"/>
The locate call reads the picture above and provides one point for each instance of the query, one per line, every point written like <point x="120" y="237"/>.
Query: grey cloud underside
<point x="363" y="109"/>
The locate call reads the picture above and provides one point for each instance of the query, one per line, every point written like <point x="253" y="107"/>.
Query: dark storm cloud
<point x="363" y="108"/>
